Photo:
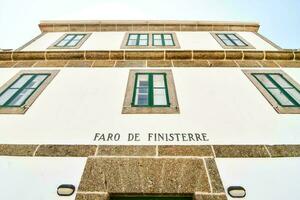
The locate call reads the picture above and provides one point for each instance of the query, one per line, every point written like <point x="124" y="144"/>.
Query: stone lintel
<point x="147" y="176"/>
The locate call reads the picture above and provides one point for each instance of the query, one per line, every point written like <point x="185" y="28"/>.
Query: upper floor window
<point x="163" y="40"/>
<point x="22" y="89"/>
<point x="138" y="40"/>
<point x="72" y="40"/>
<point x="19" y="93"/>
<point x="279" y="89"/>
<point x="150" y="41"/>
<point x="231" y="41"/>
<point x="150" y="92"/>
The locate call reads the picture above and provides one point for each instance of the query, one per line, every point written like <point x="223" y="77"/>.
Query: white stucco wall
<point x="29" y="178"/>
<point x="263" y="178"/>
<point x="79" y="102"/>
<point x="113" y="41"/>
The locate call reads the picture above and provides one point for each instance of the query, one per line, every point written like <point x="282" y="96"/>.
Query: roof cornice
<point x="144" y="25"/>
<point x="145" y="22"/>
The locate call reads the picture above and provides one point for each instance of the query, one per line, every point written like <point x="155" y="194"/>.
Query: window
<point x="150" y="92"/>
<point x="19" y="93"/>
<point x="231" y="41"/>
<point x="138" y="40"/>
<point x="150" y="41"/>
<point x="162" y="40"/>
<point x="72" y="40"/>
<point x="21" y="90"/>
<point x="279" y="89"/>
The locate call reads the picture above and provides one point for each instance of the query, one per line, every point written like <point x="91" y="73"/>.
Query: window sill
<point x="150" y="110"/>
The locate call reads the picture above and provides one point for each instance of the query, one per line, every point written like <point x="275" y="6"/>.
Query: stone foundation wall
<point x="151" y="170"/>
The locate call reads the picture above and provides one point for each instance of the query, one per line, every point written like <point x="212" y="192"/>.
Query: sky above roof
<point x="279" y="20"/>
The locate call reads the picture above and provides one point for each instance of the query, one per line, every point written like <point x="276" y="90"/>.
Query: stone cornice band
<point x="150" y="55"/>
<point x="209" y="151"/>
<point x="103" y="26"/>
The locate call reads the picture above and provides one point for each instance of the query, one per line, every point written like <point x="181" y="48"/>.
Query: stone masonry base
<point x="151" y="170"/>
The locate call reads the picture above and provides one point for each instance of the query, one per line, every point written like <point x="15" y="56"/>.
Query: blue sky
<point x="280" y="20"/>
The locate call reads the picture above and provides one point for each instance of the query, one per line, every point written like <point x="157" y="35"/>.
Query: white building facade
<point x="149" y="109"/>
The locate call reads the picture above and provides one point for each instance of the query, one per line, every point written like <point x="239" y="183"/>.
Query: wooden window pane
<point x="169" y="42"/>
<point x="157" y="37"/>
<point x="133" y="37"/>
<point x="295" y="94"/>
<point x="167" y="36"/>
<point x="158" y="81"/>
<point x="62" y="43"/>
<point x="160" y="98"/>
<point x="142" y="90"/>
<point x="131" y="42"/>
<point x="68" y="37"/>
<point x="228" y="42"/>
<point x="265" y="81"/>
<point x="222" y="36"/>
<point x="7" y="95"/>
<point x="36" y="81"/>
<point x="73" y="43"/>
<point x="142" y="80"/>
<point x="281" y="97"/>
<point x="22" y="96"/>
<point x="239" y="42"/>
<point x="144" y="37"/>
<point x="21" y="81"/>
<point x="232" y="36"/>
<point x="143" y="42"/>
<point x="142" y="100"/>
<point x="281" y="81"/>
<point x="157" y="42"/>
<point x="78" y="37"/>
